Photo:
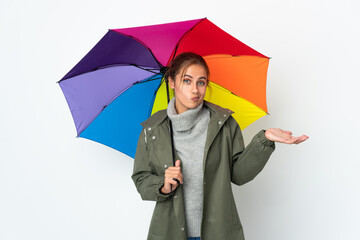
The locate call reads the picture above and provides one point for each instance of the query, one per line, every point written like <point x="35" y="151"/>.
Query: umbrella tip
<point x="163" y="70"/>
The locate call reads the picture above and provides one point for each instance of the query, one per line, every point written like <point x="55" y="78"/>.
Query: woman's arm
<point x="248" y="162"/>
<point x="148" y="184"/>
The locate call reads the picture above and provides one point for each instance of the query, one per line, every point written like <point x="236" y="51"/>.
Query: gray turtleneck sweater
<point x="190" y="130"/>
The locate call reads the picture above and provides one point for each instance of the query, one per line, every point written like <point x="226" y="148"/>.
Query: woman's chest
<point x="215" y="155"/>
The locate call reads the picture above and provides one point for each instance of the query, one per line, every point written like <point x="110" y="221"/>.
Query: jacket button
<point x="220" y="122"/>
<point x="149" y="128"/>
<point x="153" y="137"/>
<point x="165" y="166"/>
<point x="204" y="183"/>
<point x="175" y="196"/>
<point x="182" y="229"/>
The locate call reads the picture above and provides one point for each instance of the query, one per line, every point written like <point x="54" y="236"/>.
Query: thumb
<point x="177" y="163"/>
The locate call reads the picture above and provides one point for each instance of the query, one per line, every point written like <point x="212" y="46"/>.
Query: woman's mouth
<point x="195" y="99"/>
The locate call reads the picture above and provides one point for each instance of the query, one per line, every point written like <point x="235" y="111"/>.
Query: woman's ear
<point x="172" y="83"/>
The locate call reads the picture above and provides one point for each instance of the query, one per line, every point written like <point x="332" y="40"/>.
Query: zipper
<point x="145" y="135"/>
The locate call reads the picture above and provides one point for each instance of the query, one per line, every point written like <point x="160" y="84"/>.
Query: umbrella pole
<point x="171" y="129"/>
<point x="171" y="132"/>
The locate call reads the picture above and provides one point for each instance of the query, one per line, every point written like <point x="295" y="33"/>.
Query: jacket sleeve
<point x="248" y="162"/>
<point x="148" y="184"/>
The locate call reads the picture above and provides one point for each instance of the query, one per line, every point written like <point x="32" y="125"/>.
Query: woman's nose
<point x="195" y="88"/>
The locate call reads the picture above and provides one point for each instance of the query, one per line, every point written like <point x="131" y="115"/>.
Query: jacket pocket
<point x="161" y="222"/>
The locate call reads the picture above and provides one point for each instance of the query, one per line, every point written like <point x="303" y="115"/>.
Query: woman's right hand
<point x="170" y="173"/>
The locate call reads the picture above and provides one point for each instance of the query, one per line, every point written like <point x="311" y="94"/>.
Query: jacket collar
<point x="220" y="113"/>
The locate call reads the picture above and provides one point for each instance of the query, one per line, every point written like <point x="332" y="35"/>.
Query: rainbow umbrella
<point x="119" y="83"/>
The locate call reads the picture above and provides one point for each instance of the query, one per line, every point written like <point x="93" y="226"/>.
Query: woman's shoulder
<point x="155" y="119"/>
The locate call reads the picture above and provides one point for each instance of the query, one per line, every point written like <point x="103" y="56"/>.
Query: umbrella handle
<point x="177" y="180"/>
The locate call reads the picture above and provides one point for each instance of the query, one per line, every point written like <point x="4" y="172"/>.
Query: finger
<point x="173" y="182"/>
<point x="174" y="168"/>
<point x="173" y="171"/>
<point x="167" y="185"/>
<point x="292" y="140"/>
<point x="176" y="180"/>
<point x="177" y="175"/>
<point x="169" y="180"/>
<point x="172" y="175"/>
<point x="288" y="132"/>
<point x="298" y="140"/>
<point x="302" y="138"/>
<point x="180" y="178"/>
<point x="177" y="163"/>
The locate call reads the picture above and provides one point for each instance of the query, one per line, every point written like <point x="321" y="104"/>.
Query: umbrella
<point x="119" y="83"/>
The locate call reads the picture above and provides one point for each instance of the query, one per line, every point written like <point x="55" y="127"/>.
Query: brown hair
<point x="184" y="60"/>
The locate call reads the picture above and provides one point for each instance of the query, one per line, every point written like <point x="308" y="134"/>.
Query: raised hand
<point x="282" y="136"/>
<point x="172" y="172"/>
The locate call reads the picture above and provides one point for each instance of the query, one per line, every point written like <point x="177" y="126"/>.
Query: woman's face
<point x="189" y="90"/>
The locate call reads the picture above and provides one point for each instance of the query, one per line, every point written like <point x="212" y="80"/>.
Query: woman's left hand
<point x="281" y="136"/>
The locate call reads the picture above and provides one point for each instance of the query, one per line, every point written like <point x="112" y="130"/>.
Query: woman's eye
<point x="201" y="83"/>
<point x="186" y="81"/>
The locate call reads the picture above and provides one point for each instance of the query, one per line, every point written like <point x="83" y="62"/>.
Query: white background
<point x="55" y="186"/>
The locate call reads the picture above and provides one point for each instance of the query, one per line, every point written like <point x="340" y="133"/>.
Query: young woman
<point x="194" y="198"/>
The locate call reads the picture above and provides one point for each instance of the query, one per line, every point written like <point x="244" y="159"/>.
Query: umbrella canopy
<point x="119" y="83"/>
